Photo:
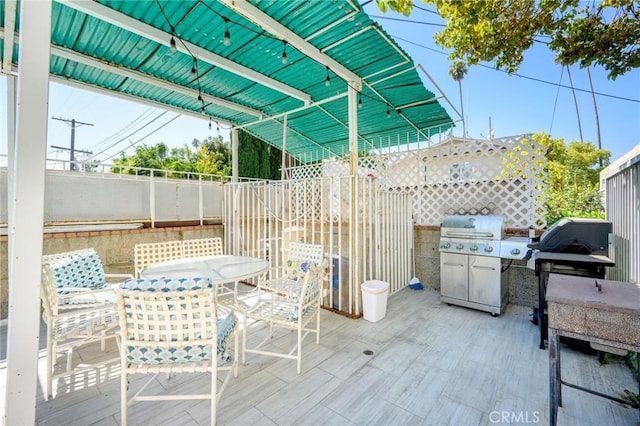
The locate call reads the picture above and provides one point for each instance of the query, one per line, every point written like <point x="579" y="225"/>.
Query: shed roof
<point x="124" y="47"/>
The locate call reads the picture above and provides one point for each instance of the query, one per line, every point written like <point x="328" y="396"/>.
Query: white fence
<point x="367" y="233"/>
<point x="621" y="184"/>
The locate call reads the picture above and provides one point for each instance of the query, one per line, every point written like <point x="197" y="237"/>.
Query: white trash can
<point x="374" y="299"/>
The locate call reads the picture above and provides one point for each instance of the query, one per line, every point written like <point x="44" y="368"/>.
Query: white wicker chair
<point x="171" y="325"/>
<point x="291" y="302"/>
<point x="146" y="254"/>
<point x="202" y="247"/>
<point x="280" y="278"/>
<point x="78" y="306"/>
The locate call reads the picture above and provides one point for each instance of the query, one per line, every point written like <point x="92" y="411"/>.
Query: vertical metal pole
<point x="200" y="201"/>
<point x="152" y="200"/>
<point x="283" y="165"/>
<point x="234" y="155"/>
<point x="72" y="153"/>
<point x="554" y="379"/>
<point x="10" y="7"/>
<point x="11" y="147"/>
<point x="353" y="173"/>
<point x="27" y="202"/>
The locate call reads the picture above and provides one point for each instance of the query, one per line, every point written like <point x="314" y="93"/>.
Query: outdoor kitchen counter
<point x="602" y="312"/>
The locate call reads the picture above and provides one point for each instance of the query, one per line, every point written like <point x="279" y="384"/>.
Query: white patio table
<point x="221" y="269"/>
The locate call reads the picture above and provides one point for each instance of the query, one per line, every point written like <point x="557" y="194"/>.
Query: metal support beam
<point x="234" y="155"/>
<point x="27" y="204"/>
<point x="272" y="26"/>
<point x="354" y="217"/>
<point x="9" y="25"/>
<point x="128" y="23"/>
<point x="283" y="166"/>
<point x="144" y="78"/>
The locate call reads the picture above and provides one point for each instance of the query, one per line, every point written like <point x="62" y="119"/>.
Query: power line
<point x="622" y="98"/>
<point x="410" y="21"/>
<point x="134" y="132"/>
<point x="124" y="129"/>
<point x="146" y="136"/>
<point x="555" y="104"/>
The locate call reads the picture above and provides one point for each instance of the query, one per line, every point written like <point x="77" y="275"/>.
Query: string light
<point x="227" y="36"/>
<point x="327" y="81"/>
<point x="217" y="127"/>
<point x="193" y="67"/>
<point x="388" y="112"/>
<point x="172" y="44"/>
<point x="209" y="123"/>
<point x="359" y="100"/>
<point x="284" y="52"/>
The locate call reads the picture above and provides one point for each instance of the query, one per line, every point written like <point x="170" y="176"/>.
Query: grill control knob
<point x="460" y="246"/>
<point x="515" y="251"/>
<point x="488" y="249"/>
<point x="473" y="248"/>
<point x="445" y="245"/>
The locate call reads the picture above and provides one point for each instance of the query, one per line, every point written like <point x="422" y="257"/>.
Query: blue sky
<point x="513" y="105"/>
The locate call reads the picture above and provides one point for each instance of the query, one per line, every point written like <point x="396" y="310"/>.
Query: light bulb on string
<point x="227" y="36"/>
<point x="327" y="81"/>
<point x="359" y="100"/>
<point x="388" y="112"/>
<point x="209" y="123"/>
<point x="284" y="52"/>
<point x="172" y="44"/>
<point x="217" y="127"/>
<point x="193" y="67"/>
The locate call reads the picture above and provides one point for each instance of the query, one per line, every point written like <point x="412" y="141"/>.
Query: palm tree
<point x="458" y="71"/>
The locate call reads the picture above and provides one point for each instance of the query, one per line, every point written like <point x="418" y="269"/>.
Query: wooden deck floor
<point x="432" y="364"/>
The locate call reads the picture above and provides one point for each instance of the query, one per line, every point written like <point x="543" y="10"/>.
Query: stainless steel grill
<point x="471" y="253"/>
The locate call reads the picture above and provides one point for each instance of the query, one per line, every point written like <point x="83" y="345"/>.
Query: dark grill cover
<point x="575" y="235"/>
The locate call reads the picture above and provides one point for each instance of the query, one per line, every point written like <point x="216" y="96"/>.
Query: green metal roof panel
<point x="117" y="53"/>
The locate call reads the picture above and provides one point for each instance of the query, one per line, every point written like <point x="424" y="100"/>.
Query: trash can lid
<point x="375" y="286"/>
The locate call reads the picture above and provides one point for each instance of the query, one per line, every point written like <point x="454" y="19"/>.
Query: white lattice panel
<point x="501" y="176"/>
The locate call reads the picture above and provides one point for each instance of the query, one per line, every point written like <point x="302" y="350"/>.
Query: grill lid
<point x="575" y="235"/>
<point x="473" y="226"/>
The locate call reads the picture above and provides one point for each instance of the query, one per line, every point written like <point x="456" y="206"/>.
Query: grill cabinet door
<point x="484" y="280"/>
<point x="454" y="275"/>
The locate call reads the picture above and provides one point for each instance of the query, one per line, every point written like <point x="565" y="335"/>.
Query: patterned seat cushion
<point x="154" y="355"/>
<point x="166" y="284"/>
<point x="79" y="270"/>
<point x="297" y="270"/>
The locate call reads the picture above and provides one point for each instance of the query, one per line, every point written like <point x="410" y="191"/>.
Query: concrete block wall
<point x="115" y="247"/>
<point x="116" y="251"/>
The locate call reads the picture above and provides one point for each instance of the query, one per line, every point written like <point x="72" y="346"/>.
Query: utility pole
<point x="72" y="150"/>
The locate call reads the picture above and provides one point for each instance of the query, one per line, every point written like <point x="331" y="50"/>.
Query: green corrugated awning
<point x="123" y="47"/>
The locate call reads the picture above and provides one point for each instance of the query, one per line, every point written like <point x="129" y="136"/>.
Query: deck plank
<point x="432" y="364"/>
